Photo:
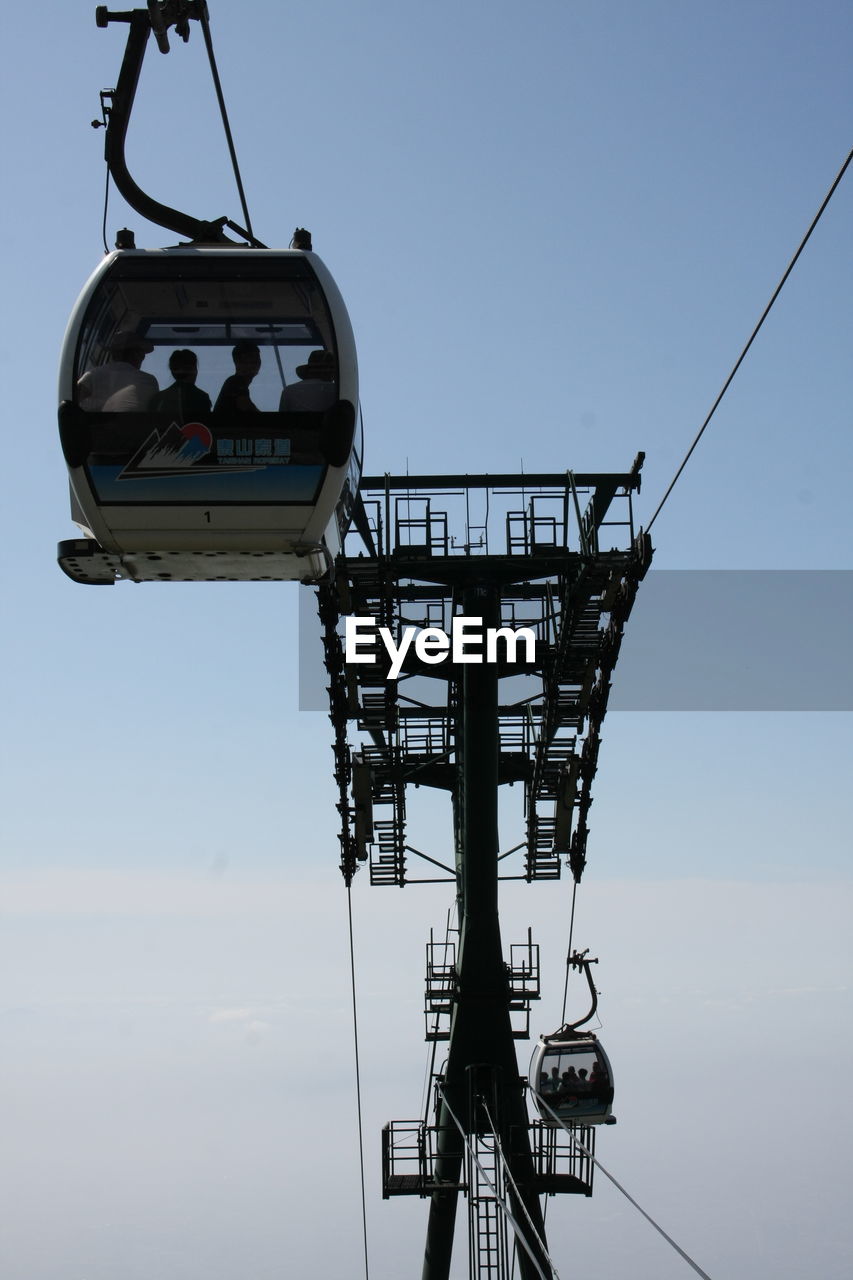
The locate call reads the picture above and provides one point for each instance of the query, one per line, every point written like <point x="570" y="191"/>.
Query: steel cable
<point x="753" y="336"/>
<point x="618" y="1185"/>
<point x="511" y="1180"/>
<point x="498" y="1198"/>
<point x="106" y="209"/>
<point x="357" y="1082"/>
<point x="208" y="44"/>
<point x="569" y="952"/>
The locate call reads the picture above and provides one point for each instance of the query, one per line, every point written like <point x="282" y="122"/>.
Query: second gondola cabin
<point x="209" y="417"/>
<point x="571" y="1079"/>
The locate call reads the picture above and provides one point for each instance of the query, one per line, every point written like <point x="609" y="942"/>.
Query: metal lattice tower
<point x="560" y="556"/>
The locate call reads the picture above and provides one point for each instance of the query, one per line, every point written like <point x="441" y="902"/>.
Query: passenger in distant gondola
<point x="569" y="1080"/>
<point x="119" y="386"/>
<point x="183" y="400"/>
<point x="315" y="392"/>
<point x="583" y="1083"/>
<point x="600" y="1082"/>
<point x="234" y="396"/>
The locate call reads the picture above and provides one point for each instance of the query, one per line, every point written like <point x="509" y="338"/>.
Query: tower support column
<point x="481" y="1051"/>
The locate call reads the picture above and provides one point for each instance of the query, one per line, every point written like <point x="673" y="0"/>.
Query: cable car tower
<point x="565" y="566"/>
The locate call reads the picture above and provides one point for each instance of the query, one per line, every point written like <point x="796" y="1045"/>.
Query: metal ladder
<point x="488" y="1234"/>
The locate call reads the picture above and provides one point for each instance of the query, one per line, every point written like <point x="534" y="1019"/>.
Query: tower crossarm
<point x="554" y="578"/>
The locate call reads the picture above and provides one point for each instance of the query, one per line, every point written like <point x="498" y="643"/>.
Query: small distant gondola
<point x="244" y="470"/>
<point x="570" y="1074"/>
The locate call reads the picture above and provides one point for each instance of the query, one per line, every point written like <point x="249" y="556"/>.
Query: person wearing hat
<point x="120" y="386"/>
<point x="234" y="396"/>
<point x="316" y="389"/>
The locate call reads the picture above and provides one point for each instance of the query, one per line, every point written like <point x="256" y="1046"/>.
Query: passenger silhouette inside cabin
<point x="234" y="396"/>
<point x="315" y="392"/>
<point x="569" y="1081"/>
<point x="119" y="386"/>
<point x="183" y="400"/>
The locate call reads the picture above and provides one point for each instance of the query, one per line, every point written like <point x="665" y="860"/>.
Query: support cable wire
<point x="106" y="208"/>
<point x="511" y="1180"/>
<point x="208" y="44"/>
<point x="580" y="1145"/>
<point x="357" y="1082"/>
<point x="498" y="1198"/>
<point x="754" y="335"/>
<point x="569" y="952"/>
<point x="102" y="124"/>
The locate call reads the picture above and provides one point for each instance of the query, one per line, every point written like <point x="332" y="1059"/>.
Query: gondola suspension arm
<point x="578" y="960"/>
<point x="118" y="104"/>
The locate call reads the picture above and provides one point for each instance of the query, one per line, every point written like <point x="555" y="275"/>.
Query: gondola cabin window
<point x="137" y="321"/>
<point x="574" y="1080"/>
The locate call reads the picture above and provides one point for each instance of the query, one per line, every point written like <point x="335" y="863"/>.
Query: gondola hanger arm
<point x="578" y="960"/>
<point x="159" y="16"/>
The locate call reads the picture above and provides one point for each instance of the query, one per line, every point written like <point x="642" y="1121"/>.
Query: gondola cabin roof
<point x="209" y="416"/>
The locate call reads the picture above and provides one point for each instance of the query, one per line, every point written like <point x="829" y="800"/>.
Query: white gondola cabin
<point x="209" y="417"/>
<point x="571" y="1075"/>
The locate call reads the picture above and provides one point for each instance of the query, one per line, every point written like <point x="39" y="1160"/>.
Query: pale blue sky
<point x="555" y="227"/>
